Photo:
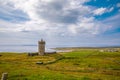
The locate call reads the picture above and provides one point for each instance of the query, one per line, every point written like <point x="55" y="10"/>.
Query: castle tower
<point x="41" y="47"/>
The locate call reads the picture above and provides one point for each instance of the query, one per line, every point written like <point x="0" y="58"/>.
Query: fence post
<point x="4" y="76"/>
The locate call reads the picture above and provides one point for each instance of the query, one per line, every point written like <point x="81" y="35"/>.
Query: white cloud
<point x="110" y="9"/>
<point x="118" y="4"/>
<point x="53" y="20"/>
<point x="6" y="26"/>
<point x="102" y="10"/>
<point x="54" y="17"/>
<point x="99" y="11"/>
<point x="113" y="21"/>
<point x="45" y="14"/>
<point x="88" y="26"/>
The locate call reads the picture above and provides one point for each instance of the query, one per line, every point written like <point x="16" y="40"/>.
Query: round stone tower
<point x="41" y="47"/>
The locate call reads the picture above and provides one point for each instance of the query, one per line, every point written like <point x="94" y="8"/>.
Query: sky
<point x="61" y="23"/>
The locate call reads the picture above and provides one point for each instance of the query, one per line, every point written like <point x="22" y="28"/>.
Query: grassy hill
<point x="80" y="64"/>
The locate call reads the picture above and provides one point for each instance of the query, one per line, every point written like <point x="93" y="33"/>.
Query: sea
<point x="31" y="48"/>
<point x="21" y="48"/>
<point x="18" y="48"/>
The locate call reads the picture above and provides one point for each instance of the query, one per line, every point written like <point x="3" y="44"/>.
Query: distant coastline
<point x="86" y="47"/>
<point x="20" y="45"/>
<point x="34" y="48"/>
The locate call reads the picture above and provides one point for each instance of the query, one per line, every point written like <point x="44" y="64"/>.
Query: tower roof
<point x="41" y="41"/>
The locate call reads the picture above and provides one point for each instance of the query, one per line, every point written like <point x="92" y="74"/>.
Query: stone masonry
<point x="41" y="47"/>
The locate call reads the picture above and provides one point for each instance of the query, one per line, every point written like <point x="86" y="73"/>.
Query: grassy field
<point x="80" y="64"/>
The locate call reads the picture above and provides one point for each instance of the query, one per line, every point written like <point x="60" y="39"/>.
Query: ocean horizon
<point x="21" y="48"/>
<point x="34" y="48"/>
<point x="28" y="48"/>
<point x="18" y="48"/>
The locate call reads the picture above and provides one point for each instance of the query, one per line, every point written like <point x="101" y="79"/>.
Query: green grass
<point x="81" y="64"/>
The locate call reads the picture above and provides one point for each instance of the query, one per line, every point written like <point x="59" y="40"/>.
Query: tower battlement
<point x="41" y="42"/>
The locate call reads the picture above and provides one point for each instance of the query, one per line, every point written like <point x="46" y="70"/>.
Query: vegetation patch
<point x="80" y="64"/>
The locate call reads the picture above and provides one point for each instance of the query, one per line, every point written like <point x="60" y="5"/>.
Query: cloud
<point x="45" y="14"/>
<point x="99" y="11"/>
<point x="6" y="26"/>
<point x="52" y="17"/>
<point x="118" y="5"/>
<point x="110" y="9"/>
<point x="102" y="10"/>
<point x="113" y="21"/>
<point x="59" y="22"/>
<point x="88" y="26"/>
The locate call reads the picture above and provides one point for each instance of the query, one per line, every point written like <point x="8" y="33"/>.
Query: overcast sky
<point x="60" y="22"/>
